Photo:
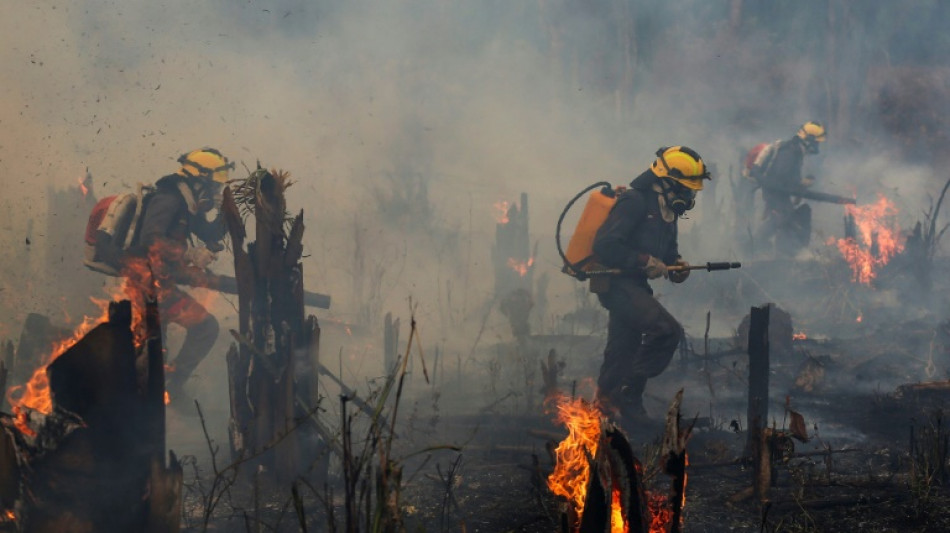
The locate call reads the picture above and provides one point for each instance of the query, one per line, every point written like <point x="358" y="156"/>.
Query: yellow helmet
<point x="812" y="133"/>
<point x="682" y="165"/>
<point x="205" y="163"/>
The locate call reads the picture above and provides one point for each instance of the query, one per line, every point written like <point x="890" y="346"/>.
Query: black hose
<point x="560" y="220"/>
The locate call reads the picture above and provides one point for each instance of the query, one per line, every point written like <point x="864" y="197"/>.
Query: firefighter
<point x="639" y="237"/>
<point x="786" y="220"/>
<point x="175" y="212"/>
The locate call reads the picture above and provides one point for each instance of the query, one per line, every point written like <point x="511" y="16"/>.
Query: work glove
<point x="655" y="268"/>
<point x="200" y="257"/>
<point x="681" y="275"/>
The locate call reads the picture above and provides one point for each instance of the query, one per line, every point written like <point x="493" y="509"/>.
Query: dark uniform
<point x="167" y="224"/>
<point x="788" y="224"/>
<point x="641" y="334"/>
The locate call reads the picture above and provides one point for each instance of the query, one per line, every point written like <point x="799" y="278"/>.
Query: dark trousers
<point x="642" y="337"/>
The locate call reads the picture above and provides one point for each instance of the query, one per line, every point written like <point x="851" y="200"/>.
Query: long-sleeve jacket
<point x="635" y="230"/>
<point x="168" y="220"/>
<point x="783" y="173"/>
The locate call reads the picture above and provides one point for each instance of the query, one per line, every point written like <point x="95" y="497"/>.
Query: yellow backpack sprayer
<point x="579" y="260"/>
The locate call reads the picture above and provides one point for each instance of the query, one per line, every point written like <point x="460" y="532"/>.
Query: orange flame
<point x="83" y="188"/>
<point x="168" y="399"/>
<point x="617" y="522"/>
<point x="661" y="513"/>
<point x="35" y="394"/>
<point x="572" y="470"/>
<point x="800" y="336"/>
<point x="521" y="267"/>
<point x="878" y="240"/>
<point x="501" y="211"/>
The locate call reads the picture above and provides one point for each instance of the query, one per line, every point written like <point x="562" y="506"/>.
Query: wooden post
<point x="758" y="411"/>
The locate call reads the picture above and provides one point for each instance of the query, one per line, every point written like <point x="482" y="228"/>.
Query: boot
<point x="631" y="400"/>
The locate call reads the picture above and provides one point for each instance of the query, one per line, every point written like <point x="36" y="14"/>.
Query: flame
<point x="8" y="516"/>
<point x="82" y="187"/>
<point x="661" y="513"/>
<point x="800" y="336"/>
<point x="521" y="267"/>
<point x="572" y="469"/>
<point x="35" y="394"/>
<point x="168" y="399"/>
<point x="878" y="240"/>
<point x="859" y="319"/>
<point x="617" y="522"/>
<point x="501" y="211"/>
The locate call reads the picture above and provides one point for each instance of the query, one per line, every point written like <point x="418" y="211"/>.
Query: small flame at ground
<point x="800" y="336"/>
<point x="572" y="470"/>
<point x="878" y="239"/>
<point x="521" y="267"/>
<point x="661" y="514"/>
<point x="501" y="211"/>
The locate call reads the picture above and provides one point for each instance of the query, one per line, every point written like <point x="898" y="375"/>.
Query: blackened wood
<point x="762" y="464"/>
<point x="9" y="470"/>
<point x="237" y="394"/>
<point x="243" y="268"/>
<point x="98" y="473"/>
<point x="165" y="495"/>
<point x="313" y="355"/>
<point x="628" y="473"/>
<point x="758" y="408"/>
<point x="512" y="243"/>
<point x="155" y="388"/>
<point x="288" y="449"/>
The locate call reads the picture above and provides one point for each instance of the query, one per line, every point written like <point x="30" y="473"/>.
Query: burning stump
<point x="96" y="461"/>
<point x="597" y="474"/>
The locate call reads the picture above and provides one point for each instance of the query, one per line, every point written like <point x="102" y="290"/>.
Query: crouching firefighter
<point x="639" y="238"/>
<point x="148" y="238"/>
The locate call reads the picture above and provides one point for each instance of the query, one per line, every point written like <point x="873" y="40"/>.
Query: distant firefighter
<point x="777" y="169"/>
<point x="639" y="238"/>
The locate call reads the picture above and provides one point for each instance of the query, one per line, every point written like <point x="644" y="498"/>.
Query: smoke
<point x="402" y="123"/>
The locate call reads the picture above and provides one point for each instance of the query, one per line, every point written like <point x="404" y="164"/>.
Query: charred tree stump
<point x="757" y="445"/>
<point x="266" y="400"/>
<point x="95" y="462"/>
<point x="514" y="267"/>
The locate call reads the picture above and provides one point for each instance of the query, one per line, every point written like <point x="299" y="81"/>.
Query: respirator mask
<point x="679" y="198"/>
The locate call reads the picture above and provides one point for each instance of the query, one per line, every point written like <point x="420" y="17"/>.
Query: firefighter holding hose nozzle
<point x="639" y="239"/>
<point x="148" y="238"/>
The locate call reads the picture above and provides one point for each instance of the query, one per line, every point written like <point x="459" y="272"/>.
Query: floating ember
<point x="877" y="239"/>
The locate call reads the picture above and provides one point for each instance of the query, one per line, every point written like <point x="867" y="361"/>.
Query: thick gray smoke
<point x="403" y="123"/>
